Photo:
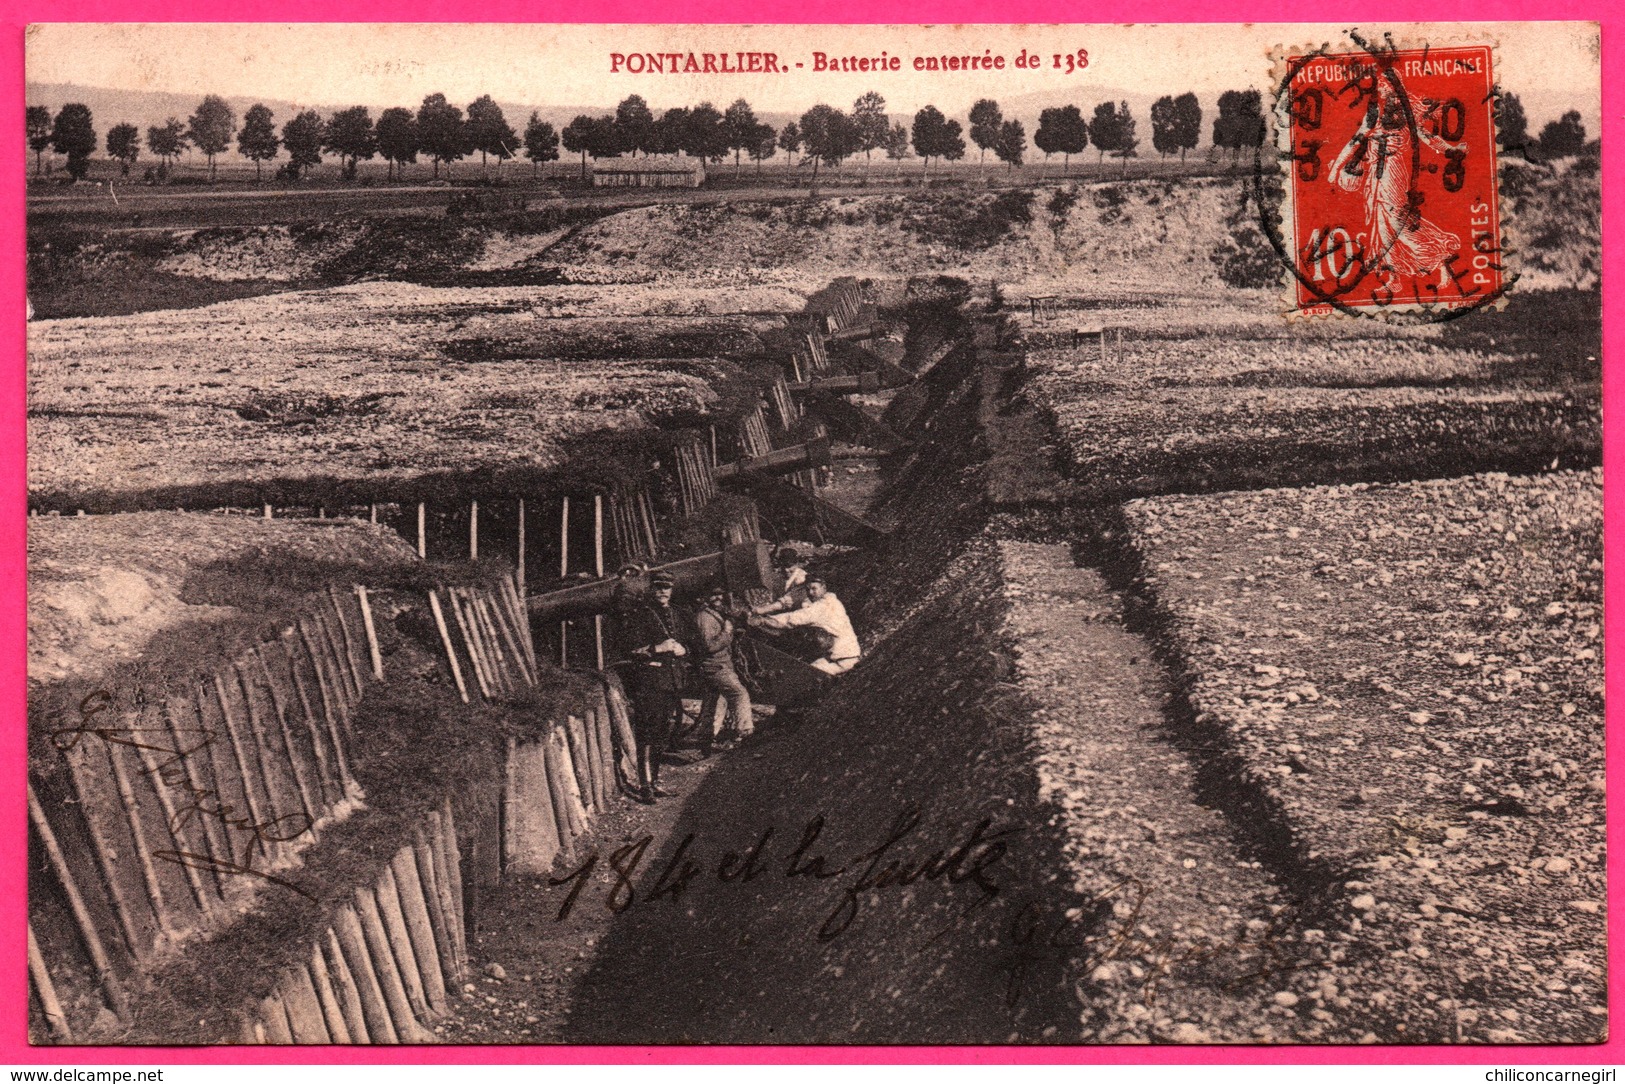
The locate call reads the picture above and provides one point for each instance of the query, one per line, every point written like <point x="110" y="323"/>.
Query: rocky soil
<point x="1413" y="674"/>
<point x="364" y="383"/>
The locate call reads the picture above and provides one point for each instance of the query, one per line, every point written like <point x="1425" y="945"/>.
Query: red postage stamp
<point x="1390" y="180"/>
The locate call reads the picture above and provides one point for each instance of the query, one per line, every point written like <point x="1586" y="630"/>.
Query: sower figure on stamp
<point x="715" y="632"/>
<point x="649" y="636"/>
<point x="1377" y="162"/>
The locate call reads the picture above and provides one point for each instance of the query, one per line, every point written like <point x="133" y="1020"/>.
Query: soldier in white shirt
<point x="822" y="611"/>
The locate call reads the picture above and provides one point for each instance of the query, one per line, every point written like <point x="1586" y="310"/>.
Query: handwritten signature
<point x="170" y="752"/>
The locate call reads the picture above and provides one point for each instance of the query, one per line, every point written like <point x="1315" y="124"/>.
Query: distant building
<point x="653" y="171"/>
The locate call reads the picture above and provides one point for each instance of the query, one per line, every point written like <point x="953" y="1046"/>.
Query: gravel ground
<point x="1203" y="944"/>
<point x="347" y="384"/>
<point x="1413" y="674"/>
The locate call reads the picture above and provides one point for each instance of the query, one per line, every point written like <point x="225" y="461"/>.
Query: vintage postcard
<point x="775" y="535"/>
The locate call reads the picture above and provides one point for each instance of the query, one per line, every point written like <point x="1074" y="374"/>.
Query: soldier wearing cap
<point x="714" y="635"/>
<point x="650" y="635"/>
<point x="793" y="567"/>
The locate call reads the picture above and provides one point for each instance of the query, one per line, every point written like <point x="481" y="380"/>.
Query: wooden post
<point x="267" y="510"/>
<point x="564" y="538"/>
<point x="451" y="653"/>
<point x="46" y="990"/>
<point x="521" y="618"/>
<point x="473" y="530"/>
<point x="111" y="987"/>
<point x="388" y="895"/>
<point x="482" y="610"/>
<point x="172" y="826"/>
<point x="564" y="570"/>
<point x="262" y="749"/>
<point x="249" y="797"/>
<point x="372" y="634"/>
<point x="117" y="895"/>
<point x="274" y="1017"/>
<point x="452" y="859"/>
<point x="314" y="805"/>
<point x="375" y="1011"/>
<point x="423" y="533"/>
<point x="340" y="780"/>
<point x="388" y="972"/>
<point x="415" y="912"/>
<point x="320" y="644"/>
<point x="479" y="616"/>
<point x="519" y="564"/>
<point x="345" y="987"/>
<point x="510" y="801"/>
<point x="558" y="797"/>
<point x="435" y="901"/>
<point x="468" y="642"/>
<point x="598" y="534"/>
<point x="589" y="737"/>
<point x="305" y="1017"/>
<point x="332" y="703"/>
<point x="349" y="650"/>
<point x="372" y="514"/>
<point x="327" y="996"/>
<point x="501" y="617"/>
<point x="580" y="758"/>
<point x="219" y="772"/>
<point x="336" y="633"/>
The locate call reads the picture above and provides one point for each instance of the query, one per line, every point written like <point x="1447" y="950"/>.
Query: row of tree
<point x="444" y="133"/>
<point x="438" y="130"/>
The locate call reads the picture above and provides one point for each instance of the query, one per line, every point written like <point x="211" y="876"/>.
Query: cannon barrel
<point x="814" y="453"/>
<point x="741" y="567"/>
<point x="857" y="383"/>
<point x="858" y="334"/>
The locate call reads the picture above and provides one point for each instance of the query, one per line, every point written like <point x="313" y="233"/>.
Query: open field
<point x="380" y="382"/>
<point x="1413" y="672"/>
<point x="1244" y="402"/>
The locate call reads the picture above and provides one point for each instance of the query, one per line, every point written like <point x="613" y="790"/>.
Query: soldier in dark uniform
<point x="650" y="635"/>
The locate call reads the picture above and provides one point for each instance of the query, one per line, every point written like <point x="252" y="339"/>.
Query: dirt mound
<point x="236" y="403"/>
<point x="101" y="587"/>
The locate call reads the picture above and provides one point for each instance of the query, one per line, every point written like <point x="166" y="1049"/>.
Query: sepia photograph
<point x="566" y="534"/>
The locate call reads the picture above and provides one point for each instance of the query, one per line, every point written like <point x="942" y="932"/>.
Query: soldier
<point x="793" y="567"/>
<point x="714" y="636"/>
<point x="649" y="634"/>
<point x="824" y="616"/>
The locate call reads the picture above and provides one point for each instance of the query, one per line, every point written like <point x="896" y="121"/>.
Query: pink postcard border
<point x="17" y="14"/>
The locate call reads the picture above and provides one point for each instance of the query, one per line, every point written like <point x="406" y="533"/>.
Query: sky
<point x="552" y="64"/>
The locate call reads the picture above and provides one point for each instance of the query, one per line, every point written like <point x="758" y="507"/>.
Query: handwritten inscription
<point x="169" y="752"/>
<point x="897" y="861"/>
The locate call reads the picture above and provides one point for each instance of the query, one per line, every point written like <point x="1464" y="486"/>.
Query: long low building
<point x="650" y="171"/>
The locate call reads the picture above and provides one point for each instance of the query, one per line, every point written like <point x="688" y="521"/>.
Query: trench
<point x="674" y="935"/>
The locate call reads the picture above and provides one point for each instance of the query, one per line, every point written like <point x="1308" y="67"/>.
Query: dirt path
<point x="1214" y="943"/>
<point x="542" y="951"/>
